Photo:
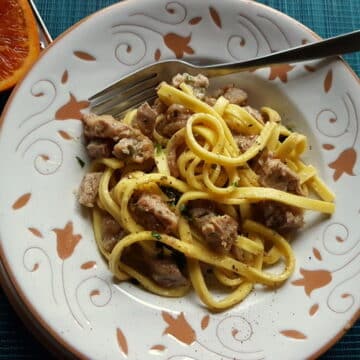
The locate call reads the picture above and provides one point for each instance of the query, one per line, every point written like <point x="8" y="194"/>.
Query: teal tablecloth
<point x="326" y="17"/>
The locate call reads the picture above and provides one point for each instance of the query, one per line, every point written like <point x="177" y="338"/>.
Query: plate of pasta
<point x="219" y="215"/>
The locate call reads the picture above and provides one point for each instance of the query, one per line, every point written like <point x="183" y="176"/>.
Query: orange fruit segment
<point x="19" y="41"/>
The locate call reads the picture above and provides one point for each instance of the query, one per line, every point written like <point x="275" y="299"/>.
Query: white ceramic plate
<point x="47" y="244"/>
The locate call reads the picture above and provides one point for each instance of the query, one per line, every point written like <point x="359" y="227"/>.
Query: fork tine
<point x="127" y="82"/>
<point x="113" y="99"/>
<point x="125" y="104"/>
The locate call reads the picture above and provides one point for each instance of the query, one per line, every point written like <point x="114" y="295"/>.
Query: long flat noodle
<point x="206" y="158"/>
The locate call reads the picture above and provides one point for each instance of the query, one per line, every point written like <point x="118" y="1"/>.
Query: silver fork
<point x="139" y="86"/>
<point x="45" y="37"/>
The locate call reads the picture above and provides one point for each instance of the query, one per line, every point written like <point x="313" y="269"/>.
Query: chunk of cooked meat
<point x="233" y="94"/>
<point x="105" y="126"/>
<point x="89" y="188"/>
<point x="198" y="83"/>
<point x="276" y="174"/>
<point x="254" y="113"/>
<point x="112" y="232"/>
<point x="175" y="119"/>
<point x="100" y="148"/>
<point x="210" y="100"/>
<point x="199" y="80"/>
<point x="166" y="272"/>
<point x="138" y="149"/>
<point x="279" y="217"/>
<point x="145" y="119"/>
<point x="159" y="107"/>
<point x="152" y="212"/>
<point x="219" y="231"/>
<point x="132" y="145"/>
<point x="244" y="142"/>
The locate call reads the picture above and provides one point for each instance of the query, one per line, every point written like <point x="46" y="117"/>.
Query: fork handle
<point x="337" y="45"/>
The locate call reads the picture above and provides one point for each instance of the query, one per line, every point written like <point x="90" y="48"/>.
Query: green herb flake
<point x="80" y="161"/>
<point x="158" y="149"/>
<point x="156" y="235"/>
<point x="235" y="184"/>
<point x="184" y="211"/>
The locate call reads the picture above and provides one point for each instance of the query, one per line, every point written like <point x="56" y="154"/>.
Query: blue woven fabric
<point x="325" y="17"/>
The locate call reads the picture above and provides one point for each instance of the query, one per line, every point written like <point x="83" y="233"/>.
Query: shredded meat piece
<point x="279" y="217"/>
<point x="145" y="119"/>
<point x="112" y="232"/>
<point x="210" y="100"/>
<point x="99" y="148"/>
<point x="175" y="119"/>
<point x="89" y="189"/>
<point x="199" y="83"/>
<point x="163" y="270"/>
<point x="153" y="213"/>
<point x="233" y="94"/>
<point x="244" y="142"/>
<point x="219" y="231"/>
<point x="255" y="113"/>
<point x="138" y="149"/>
<point x="132" y="146"/>
<point x="159" y="107"/>
<point x="277" y="175"/>
<point x="166" y="272"/>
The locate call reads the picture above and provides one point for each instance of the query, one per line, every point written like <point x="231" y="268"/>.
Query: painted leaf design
<point x="122" y="341"/>
<point x="65" y="135"/>
<point x="205" y="322"/>
<point x="179" y="328"/>
<point x="313" y="279"/>
<point x="21" y="201"/>
<point x="317" y="254"/>
<point x="39" y="94"/>
<point x="35" y="267"/>
<point x="65" y="77"/>
<point x="313" y="310"/>
<point x="88" y="265"/>
<point x="95" y="292"/>
<point x="35" y="232"/>
<point x="195" y="20"/>
<point x="344" y="164"/>
<point x="280" y="71"/>
<point x="84" y="56"/>
<point x="179" y="45"/>
<point x="66" y="240"/>
<point x="328" y="81"/>
<point x="339" y="239"/>
<point x="45" y="157"/>
<point x="294" y="334"/>
<point x="310" y="68"/>
<point x="344" y="296"/>
<point x="72" y="109"/>
<point x="215" y="17"/>
<point x="328" y="146"/>
<point x="234" y="332"/>
<point x="157" y="55"/>
<point x="158" y="347"/>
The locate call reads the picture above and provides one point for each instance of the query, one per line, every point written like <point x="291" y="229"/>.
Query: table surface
<point x="325" y="17"/>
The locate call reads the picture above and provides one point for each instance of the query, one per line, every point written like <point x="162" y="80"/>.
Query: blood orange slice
<point x="19" y="41"/>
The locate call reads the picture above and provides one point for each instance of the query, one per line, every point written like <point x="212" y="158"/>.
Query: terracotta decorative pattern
<point x="58" y="254"/>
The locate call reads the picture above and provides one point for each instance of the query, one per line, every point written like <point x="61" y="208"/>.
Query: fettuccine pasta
<point x="196" y="187"/>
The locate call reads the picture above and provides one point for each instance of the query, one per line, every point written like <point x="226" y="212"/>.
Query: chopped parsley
<point x="156" y="235"/>
<point x="184" y="211"/>
<point x="158" y="149"/>
<point x="80" y="161"/>
<point x="235" y="184"/>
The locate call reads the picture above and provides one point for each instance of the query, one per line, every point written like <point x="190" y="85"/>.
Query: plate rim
<point x="49" y="337"/>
